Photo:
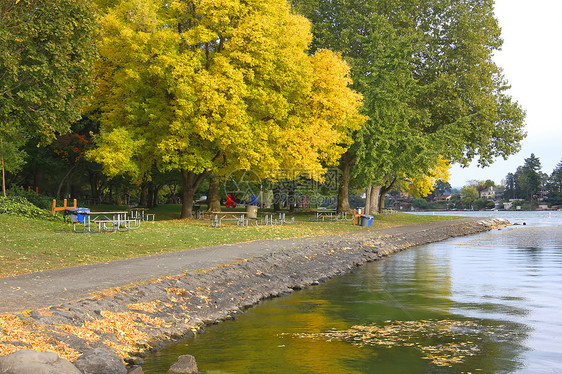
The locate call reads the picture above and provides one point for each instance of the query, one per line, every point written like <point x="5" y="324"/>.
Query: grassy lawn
<point x="30" y="245"/>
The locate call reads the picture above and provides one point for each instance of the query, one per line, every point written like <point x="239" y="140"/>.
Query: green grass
<point x="30" y="245"/>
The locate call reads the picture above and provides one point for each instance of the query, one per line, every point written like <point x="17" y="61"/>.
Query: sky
<point x="531" y="59"/>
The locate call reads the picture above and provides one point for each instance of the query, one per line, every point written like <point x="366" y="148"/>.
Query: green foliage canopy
<point x="430" y="86"/>
<point x="46" y="59"/>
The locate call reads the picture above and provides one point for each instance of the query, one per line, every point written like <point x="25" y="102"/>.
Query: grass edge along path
<point x="29" y="245"/>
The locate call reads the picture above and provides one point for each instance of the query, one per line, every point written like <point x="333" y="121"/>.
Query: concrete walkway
<point x="54" y="287"/>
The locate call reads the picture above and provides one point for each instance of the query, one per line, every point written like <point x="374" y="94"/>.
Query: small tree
<point x="469" y="196"/>
<point x="71" y="149"/>
<point x="11" y="157"/>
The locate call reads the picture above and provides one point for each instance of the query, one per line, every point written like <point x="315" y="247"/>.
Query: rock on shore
<point x="133" y="321"/>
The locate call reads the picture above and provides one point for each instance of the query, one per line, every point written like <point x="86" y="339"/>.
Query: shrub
<point x="40" y="201"/>
<point x="20" y="206"/>
<point x="420" y="203"/>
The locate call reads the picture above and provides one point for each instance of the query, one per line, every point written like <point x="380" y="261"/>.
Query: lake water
<point x="489" y="303"/>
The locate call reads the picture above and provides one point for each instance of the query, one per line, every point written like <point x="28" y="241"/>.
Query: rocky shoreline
<point x="133" y="321"/>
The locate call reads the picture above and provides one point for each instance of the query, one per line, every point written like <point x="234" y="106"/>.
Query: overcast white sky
<point x="531" y="58"/>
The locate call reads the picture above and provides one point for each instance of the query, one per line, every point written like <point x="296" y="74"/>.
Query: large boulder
<point x="100" y="361"/>
<point x="33" y="362"/>
<point x="185" y="365"/>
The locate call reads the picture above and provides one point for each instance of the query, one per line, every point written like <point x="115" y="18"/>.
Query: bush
<point x="40" y="201"/>
<point x="420" y="204"/>
<point x="19" y="206"/>
<point x="480" y="203"/>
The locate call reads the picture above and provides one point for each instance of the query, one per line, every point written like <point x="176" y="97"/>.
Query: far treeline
<point x="526" y="188"/>
<point x="111" y="98"/>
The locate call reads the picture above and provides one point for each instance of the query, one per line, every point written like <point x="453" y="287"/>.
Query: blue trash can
<point x="366" y="220"/>
<point x="76" y="214"/>
<point x="80" y="216"/>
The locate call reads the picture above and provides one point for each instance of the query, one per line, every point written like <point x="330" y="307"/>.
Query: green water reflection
<point x="485" y="283"/>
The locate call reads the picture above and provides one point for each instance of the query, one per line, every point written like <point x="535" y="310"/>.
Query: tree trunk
<point x="382" y="198"/>
<point x="291" y="201"/>
<point x="375" y="193"/>
<point x="3" y="178"/>
<point x="343" y="187"/>
<point x="190" y="182"/>
<point x="383" y="193"/>
<point x="38" y="178"/>
<point x="95" y="186"/>
<point x="213" y="197"/>
<point x="276" y="198"/>
<point x="151" y="195"/>
<point x="143" y="194"/>
<point x="67" y="175"/>
<point x="156" y="200"/>
<point x="3" y="170"/>
<point x="368" y="198"/>
<point x="188" y="178"/>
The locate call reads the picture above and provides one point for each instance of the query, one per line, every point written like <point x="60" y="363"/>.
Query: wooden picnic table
<point x="106" y="221"/>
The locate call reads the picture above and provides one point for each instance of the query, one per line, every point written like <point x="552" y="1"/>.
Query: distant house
<point x="543" y="206"/>
<point x="442" y="198"/>
<point x="541" y="195"/>
<point x="492" y="193"/>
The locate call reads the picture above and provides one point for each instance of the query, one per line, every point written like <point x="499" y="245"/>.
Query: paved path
<point x="54" y="287"/>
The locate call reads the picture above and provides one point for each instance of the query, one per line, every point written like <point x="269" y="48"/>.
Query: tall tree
<point x="510" y="186"/>
<point x="70" y="148"/>
<point x="529" y="177"/>
<point x="212" y="86"/>
<point x="430" y="86"/>
<point x="555" y="181"/>
<point x="555" y="185"/>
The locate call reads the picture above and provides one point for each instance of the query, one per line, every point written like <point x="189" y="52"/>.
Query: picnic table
<point x="104" y="221"/>
<point x="325" y="213"/>
<point x="330" y="214"/>
<point x="141" y="214"/>
<point x="217" y="218"/>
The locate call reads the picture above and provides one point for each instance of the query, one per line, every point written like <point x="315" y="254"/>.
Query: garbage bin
<point x="252" y="211"/>
<point x="71" y="213"/>
<point x="366" y="220"/>
<point x="76" y="214"/>
<point x="80" y="216"/>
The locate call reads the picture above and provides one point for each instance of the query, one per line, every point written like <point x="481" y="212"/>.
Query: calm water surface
<point x="489" y="303"/>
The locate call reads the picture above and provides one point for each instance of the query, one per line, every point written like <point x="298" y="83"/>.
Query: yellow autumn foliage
<point x="218" y="85"/>
<point x="423" y="184"/>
